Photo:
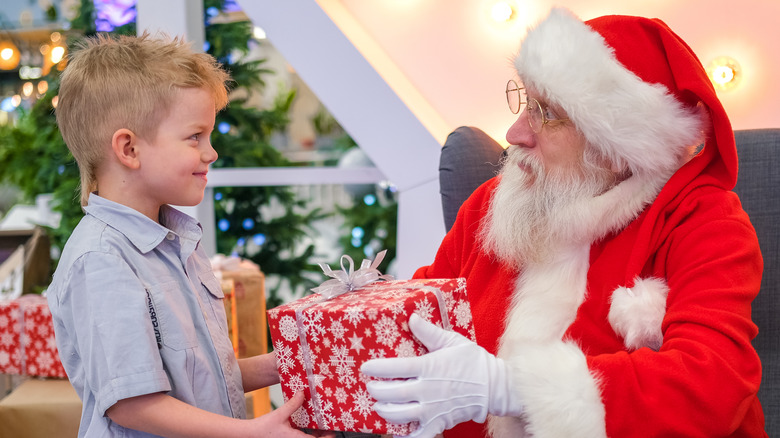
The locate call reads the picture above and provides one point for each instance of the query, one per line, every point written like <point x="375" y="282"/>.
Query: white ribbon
<point x="347" y="280"/>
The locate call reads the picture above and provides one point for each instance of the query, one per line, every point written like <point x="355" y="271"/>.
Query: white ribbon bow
<point x="347" y="280"/>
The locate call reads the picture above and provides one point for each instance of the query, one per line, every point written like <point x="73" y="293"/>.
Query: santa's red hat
<point x="630" y="85"/>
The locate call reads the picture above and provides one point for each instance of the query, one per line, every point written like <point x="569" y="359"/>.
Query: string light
<point x="57" y="54"/>
<point x="502" y="12"/>
<point x="27" y="89"/>
<point x="9" y="55"/>
<point x="724" y="72"/>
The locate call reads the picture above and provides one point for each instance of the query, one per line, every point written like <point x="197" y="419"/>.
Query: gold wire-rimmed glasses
<point x="536" y="117"/>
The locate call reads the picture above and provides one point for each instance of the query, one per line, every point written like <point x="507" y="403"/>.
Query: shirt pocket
<point x="174" y="318"/>
<point x="216" y="297"/>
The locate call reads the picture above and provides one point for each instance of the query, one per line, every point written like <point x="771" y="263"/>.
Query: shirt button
<point x="170" y="236"/>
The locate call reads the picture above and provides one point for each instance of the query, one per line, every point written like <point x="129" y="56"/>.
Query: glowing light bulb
<point x="502" y="12"/>
<point x="6" y="53"/>
<point x="724" y="72"/>
<point x="27" y="89"/>
<point x="57" y="53"/>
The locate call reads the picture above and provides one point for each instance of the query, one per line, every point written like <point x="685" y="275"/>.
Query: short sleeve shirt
<point x="137" y="310"/>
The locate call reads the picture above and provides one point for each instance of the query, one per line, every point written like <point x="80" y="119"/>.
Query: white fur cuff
<point x="561" y="397"/>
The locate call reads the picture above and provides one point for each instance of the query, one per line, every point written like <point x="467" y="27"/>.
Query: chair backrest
<point x="758" y="188"/>
<point x="470" y="157"/>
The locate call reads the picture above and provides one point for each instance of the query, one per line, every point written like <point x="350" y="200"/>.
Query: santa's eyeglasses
<point x="538" y="116"/>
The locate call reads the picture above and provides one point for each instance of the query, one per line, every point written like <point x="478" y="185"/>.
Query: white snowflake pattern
<point x="372" y="313"/>
<point x="397" y="308"/>
<point x="313" y="326"/>
<point x="376" y="354"/>
<point x="347" y="420"/>
<point x="462" y="314"/>
<point x="356" y="343"/>
<point x="337" y="329"/>
<point x="326" y="407"/>
<point x="341" y="395"/>
<point x="368" y="332"/>
<point x="354" y="314"/>
<point x="363" y="403"/>
<point x="328" y="418"/>
<point x="6" y="339"/>
<point x="51" y="343"/>
<point x="5" y="359"/>
<point x="424" y="309"/>
<point x="341" y="360"/>
<point x="284" y="359"/>
<point x="347" y="380"/>
<point x="398" y="429"/>
<point x="318" y="379"/>
<point x="405" y="348"/>
<point x="324" y="368"/>
<point x="288" y="328"/>
<point x="386" y="331"/>
<point x="300" y="417"/>
<point x="295" y="383"/>
<point x="29" y="324"/>
<point x="45" y="360"/>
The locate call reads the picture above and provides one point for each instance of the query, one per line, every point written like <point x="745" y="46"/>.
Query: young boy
<point x="138" y="313"/>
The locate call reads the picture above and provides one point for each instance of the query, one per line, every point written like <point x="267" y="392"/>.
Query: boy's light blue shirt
<point x="138" y="310"/>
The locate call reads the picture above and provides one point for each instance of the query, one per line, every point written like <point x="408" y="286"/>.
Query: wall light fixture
<point x="724" y="72"/>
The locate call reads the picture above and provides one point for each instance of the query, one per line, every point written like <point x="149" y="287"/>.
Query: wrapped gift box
<point x="321" y="343"/>
<point x="25" y="263"/>
<point x="243" y="285"/>
<point x="27" y="343"/>
<point x="41" y="408"/>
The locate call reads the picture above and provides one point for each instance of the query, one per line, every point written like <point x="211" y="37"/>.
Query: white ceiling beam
<point x="387" y="130"/>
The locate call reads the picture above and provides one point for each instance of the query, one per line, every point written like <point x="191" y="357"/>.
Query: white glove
<point x="456" y="381"/>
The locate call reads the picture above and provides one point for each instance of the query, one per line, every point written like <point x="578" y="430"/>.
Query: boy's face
<point x="174" y="165"/>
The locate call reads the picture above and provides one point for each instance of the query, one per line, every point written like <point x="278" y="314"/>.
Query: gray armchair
<point x="469" y="157"/>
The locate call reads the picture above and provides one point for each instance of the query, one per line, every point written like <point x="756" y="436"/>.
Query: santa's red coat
<point x="703" y="380"/>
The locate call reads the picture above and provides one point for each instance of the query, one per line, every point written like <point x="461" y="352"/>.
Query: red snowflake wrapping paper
<point x="343" y="332"/>
<point x="27" y="343"/>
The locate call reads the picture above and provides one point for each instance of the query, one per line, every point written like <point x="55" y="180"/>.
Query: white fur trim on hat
<point x="636" y="313"/>
<point x="637" y="125"/>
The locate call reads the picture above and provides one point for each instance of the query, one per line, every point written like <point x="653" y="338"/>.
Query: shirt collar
<point x="141" y="231"/>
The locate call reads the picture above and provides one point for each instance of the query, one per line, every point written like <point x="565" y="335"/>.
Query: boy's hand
<point x="277" y="422"/>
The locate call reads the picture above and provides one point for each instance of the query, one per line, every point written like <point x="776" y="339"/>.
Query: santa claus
<point x="610" y="267"/>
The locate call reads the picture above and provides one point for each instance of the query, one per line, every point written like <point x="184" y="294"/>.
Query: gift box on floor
<point x="27" y="343"/>
<point x="41" y="408"/>
<point x="321" y="343"/>
<point x="243" y="285"/>
<point x="25" y="263"/>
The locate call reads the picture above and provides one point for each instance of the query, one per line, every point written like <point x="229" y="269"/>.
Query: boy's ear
<point x="124" y="143"/>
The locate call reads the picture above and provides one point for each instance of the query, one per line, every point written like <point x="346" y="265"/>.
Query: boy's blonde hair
<point x="126" y="82"/>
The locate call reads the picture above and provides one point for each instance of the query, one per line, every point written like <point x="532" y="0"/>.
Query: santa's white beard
<point x="534" y="214"/>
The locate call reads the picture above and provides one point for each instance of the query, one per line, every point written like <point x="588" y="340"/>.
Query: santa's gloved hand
<point x="456" y="381"/>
